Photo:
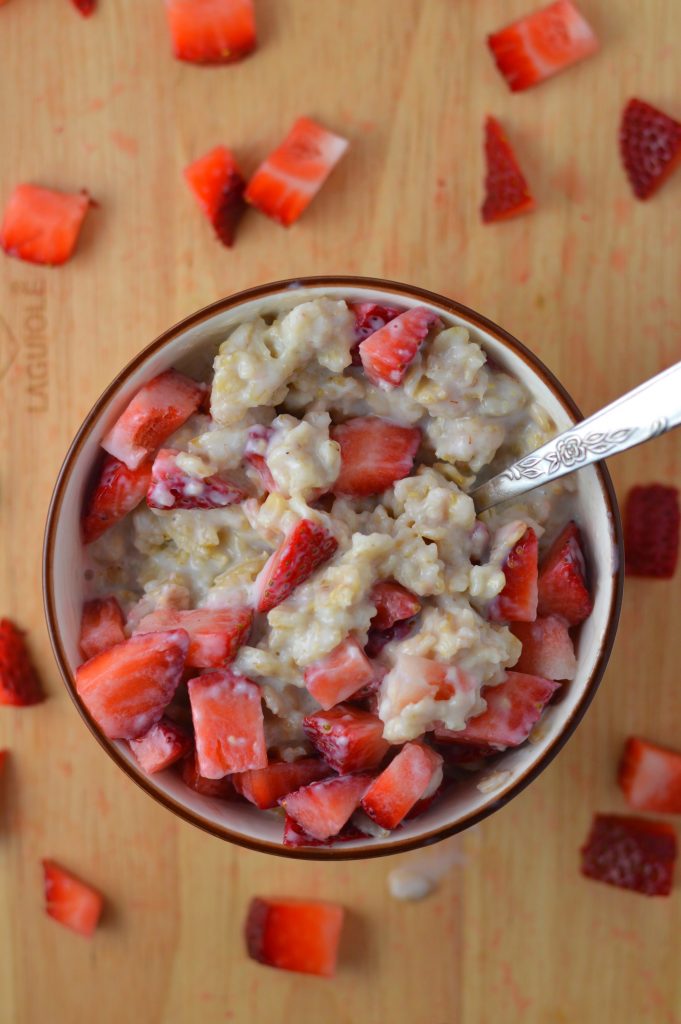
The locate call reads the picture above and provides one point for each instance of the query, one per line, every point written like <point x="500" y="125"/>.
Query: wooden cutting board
<point x="591" y="281"/>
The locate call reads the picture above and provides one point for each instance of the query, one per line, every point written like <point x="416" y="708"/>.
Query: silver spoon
<point x="649" y="410"/>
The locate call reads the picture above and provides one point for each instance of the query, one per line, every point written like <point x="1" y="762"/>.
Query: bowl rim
<point x="376" y="848"/>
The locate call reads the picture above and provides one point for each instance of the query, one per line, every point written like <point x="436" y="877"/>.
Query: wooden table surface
<point x="590" y="280"/>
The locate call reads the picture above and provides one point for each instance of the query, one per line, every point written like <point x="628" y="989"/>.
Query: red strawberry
<point x="631" y="853"/>
<point x="650" y="777"/>
<point x="374" y="454"/>
<point x="41" y="225"/>
<point x="562" y="580"/>
<point x="369" y="317"/>
<point x="70" y="901"/>
<point x="163" y="745"/>
<point x="387" y="353"/>
<point x="19" y="683"/>
<point x="218" y="184"/>
<point x="378" y="638"/>
<point x="542" y="44"/>
<point x="86" y="7"/>
<point x="117" y="491"/>
<point x="393" y="604"/>
<point x="650" y="145"/>
<point x="517" y="602"/>
<point x="156" y="411"/>
<point x="294" y="935"/>
<point x="127" y="688"/>
<point x="220" y="789"/>
<point x="404" y="782"/>
<point x="265" y="787"/>
<point x="294" y="835"/>
<point x="322" y="808"/>
<point x="288" y="180"/>
<point x="457" y="754"/>
<point x="340" y="674"/>
<point x="171" y="487"/>
<point x="302" y="551"/>
<point x="349" y="739"/>
<point x="651" y="531"/>
<point x="506" y="190"/>
<point x="513" y="708"/>
<point x="547" y="649"/>
<point x="228" y="723"/>
<point x="211" y="31"/>
<point x="254" y="455"/>
<point x="215" y="634"/>
<point x="101" y="626"/>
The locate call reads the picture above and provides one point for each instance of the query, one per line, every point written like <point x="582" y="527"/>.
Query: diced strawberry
<point x="157" y="410"/>
<point x="374" y="454"/>
<point x="651" y="531"/>
<point x="254" y="454"/>
<point x="101" y="626"/>
<point x="513" y="708"/>
<point x="302" y="551"/>
<point x="163" y="745"/>
<point x="127" y="688"/>
<point x="393" y="604"/>
<point x="41" y="225"/>
<point x="650" y="146"/>
<point x="541" y="44"/>
<point x="650" y="777"/>
<point x="294" y="935"/>
<point x="455" y="753"/>
<point x="19" y="682"/>
<point x="340" y="674"/>
<point x="387" y="353"/>
<point x="172" y="487"/>
<point x="211" y="31"/>
<point x="71" y="902"/>
<point x="220" y="789"/>
<point x="506" y="190"/>
<point x="217" y="183"/>
<point x="349" y="739"/>
<point x="399" y="786"/>
<point x="517" y="602"/>
<point x="288" y="180"/>
<point x="414" y="678"/>
<point x="547" y="649"/>
<point x="86" y="7"/>
<point x="369" y="317"/>
<point x="422" y="805"/>
<point x="265" y="787"/>
<point x="294" y="835"/>
<point x="215" y="634"/>
<point x="228" y="723"/>
<point x="378" y="638"/>
<point x="117" y="491"/>
<point x="631" y="853"/>
<point x="322" y="808"/>
<point x="562" y="580"/>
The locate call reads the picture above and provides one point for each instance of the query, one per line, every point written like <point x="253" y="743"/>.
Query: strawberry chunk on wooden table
<point x="172" y="487"/>
<point x="85" y="7"/>
<point x="402" y="784"/>
<point x="265" y="787"/>
<point x="211" y="31"/>
<point x="517" y="602"/>
<point x="41" y="225"/>
<point x="339" y="674"/>
<point x="218" y="184"/>
<point x="506" y="190"/>
<point x="116" y="492"/>
<point x="71" y="901"/>
<point x="101" y="627"/>
<point x="650" y="777"/>
<point x="302" y="551"/>
<point x="348" y="738"/>
<point x="323" y="808"/>
<point x="294" y="935"/>
<point x="215" y="634"/>
<point x="562" y="588"/>
<point x="547" y="651"/>
<point x="387" y="353"/>
<point x="651" y="531"/>
<point x="163" y="745"/>
<point x="631" y="853"/>
<point x="228" y="723"/>
<point x="375" y="453"/>
<point x="19" y="682"/>
<point x="650" y="146"/>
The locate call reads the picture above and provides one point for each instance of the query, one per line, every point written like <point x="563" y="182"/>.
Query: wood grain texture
<point x="591" y="281"/>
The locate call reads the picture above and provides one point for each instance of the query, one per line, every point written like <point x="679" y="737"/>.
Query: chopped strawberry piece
<point x="41" y="225"/>
<point x="157" y="410"/>
<point x="322" y="808"/>
<point x="288" y="180"/>
<point x="295" y="935"/>
<point x="254" y="455"/>
<point x="349" y="739"/>
<point x="163" y="745"/>
<point x="294" y="835"/>
<point x="399" y="786"/>
<point x="70" y="901"/>
<point x="305" y="548"/>
<point x="374" y="454"/>
<point x="651" y="531"/>
<point x="513" y="708"/>
<point x="650" y="777"/>
<point x="101" y="626"/>
<point x="541" y="44"/>
<point x="369" y="317"/>
<point x="215" y="634"/>
<point x="265" y="787"/>
<point x="506" y="190"/>
<point x="218" y="184"/>
<point x="387" y="353"/>
<point x="228" y="723"/>
<point x="172" y="487"/>
<point x="414" y="678"/>
<point x="517" y="602"/>
<point x="19" y="683"/>
<point x="547" y="649"/>
<point x="211" y="31"/>
<point x="220" y="789"/>
<point x="86" y="7"/>
<point x="455" y="753"/>
<point x="378" y="638"/>
<point x="393" y="604"/>
<point x="340" y="674"/>
<point x="117" y="491"/>
<point x="127" y="688"/>
<point x="650" y="145"/>
<point x="631" y="853"/>
<point x="562" y="580"/>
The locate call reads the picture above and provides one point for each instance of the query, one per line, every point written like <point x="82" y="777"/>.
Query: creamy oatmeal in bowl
<point x="270" y="595"/>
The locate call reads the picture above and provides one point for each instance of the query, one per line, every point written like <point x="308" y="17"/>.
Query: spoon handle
<point x="649" y="410"/>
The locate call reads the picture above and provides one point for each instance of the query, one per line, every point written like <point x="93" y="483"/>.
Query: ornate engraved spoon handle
<point x="649" y="410"/>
